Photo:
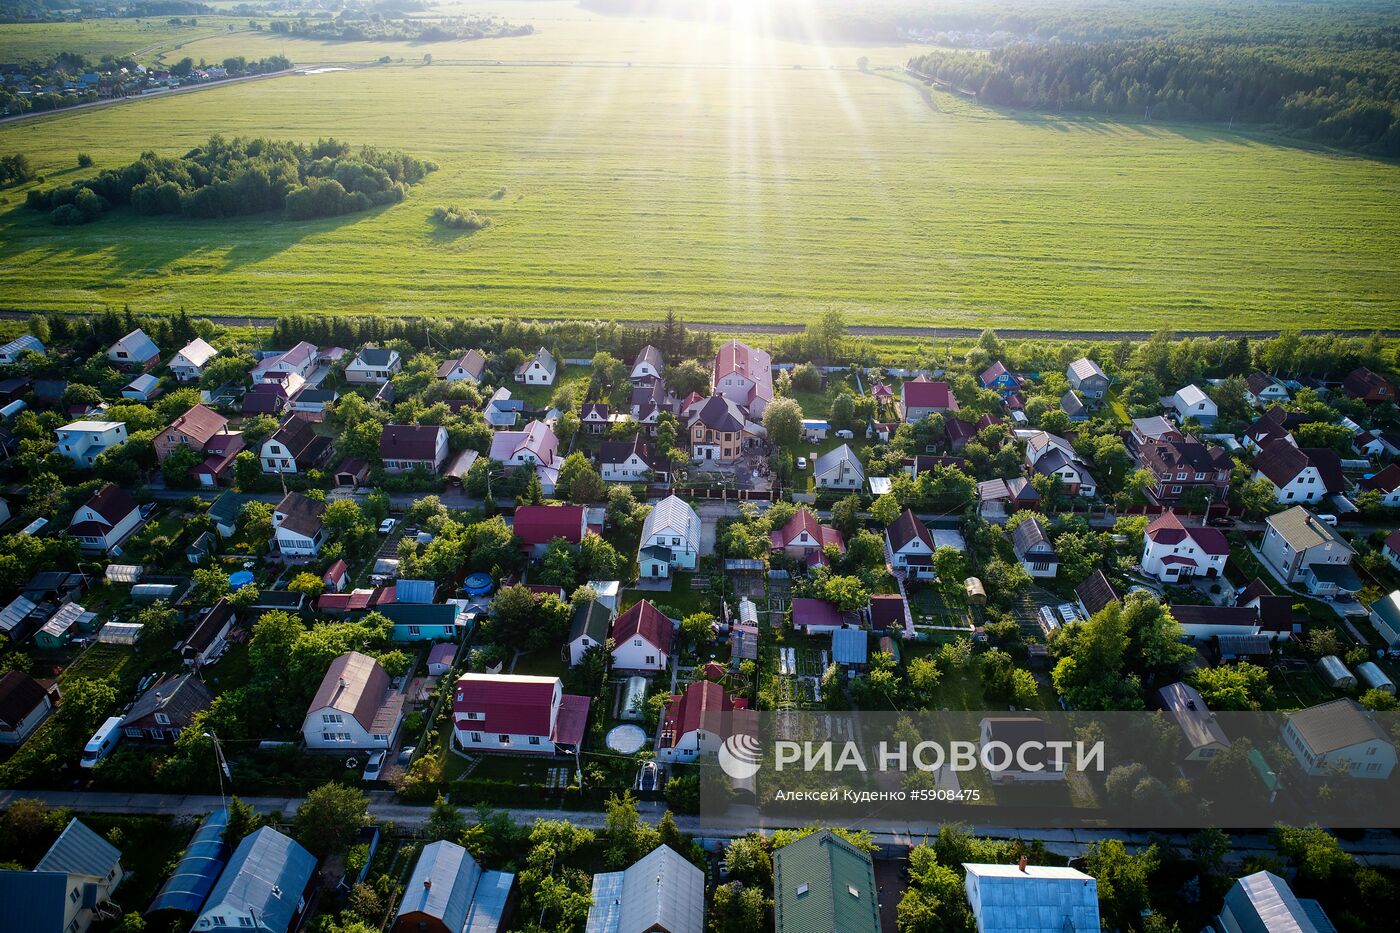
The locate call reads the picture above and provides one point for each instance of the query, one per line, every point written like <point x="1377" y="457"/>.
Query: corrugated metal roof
<point x="823" y="883"/>
<point x="416" y="591"/>
<point x="488" y="909"/>
<point x="266" y="875"/>
<point x="80" y="851"/>
<point x="849" y="646"/>
<point x="660" y="891"/>
<point x="442" y="884"/>
<point x="34" y="900"/>
<point x="1040" y="899"/>
<point x="1263" y="901"/>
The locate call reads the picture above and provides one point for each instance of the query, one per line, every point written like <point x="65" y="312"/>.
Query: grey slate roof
<point x="659" y="891"/>
<point x="442" y="884"/>
<point x="179" y="697"/>
<point x="1335" y="725"/>
<point x="267" y="873"/>
<point x="590" y="618"/>
<point x="80" y="851"/>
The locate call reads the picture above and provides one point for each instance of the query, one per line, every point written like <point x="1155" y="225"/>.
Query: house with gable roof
<point x="404" y="448"/>
<point x="1031" y="898"/>
<point x="295" y="447"/>
<point x="920" y="398"/>
<point x="909" y="547"/>
<point x="1192" y="402"/>
<point x="297" y="529"/>
<point x="695" y="722"/>
<point x="1173" y="551"/>
<point x="449" y="892"/>
<point x="661" y="892"/>
<point x="517" y="714"/>
<point x="1087" y="378"/>
<point x="647" y="365"/>
<point x="588" y="628"/>
<point x="629" y="461"/>
<point x="105" y="521"/>
<point x="300" y="361"/>
<point x="1031" y="544"/>
<point x="167" y="708"/>
<point x="134" y="351"/>
<point x="1262" y="390"/>
<point x="643" y="637"/>
<point x="189" y="362"/>
<point x="540" y="370"/>
<point x="1308" y="553"/>
<point x="838" y="468"/>
<point x="263" y="888"/>
<point x="743" y="375"/>
<point x="1300" y="474"/>
<point x="805" y="538"/>
<point x="469" y="367"/>
<point x="823" y="884"/>
<point x="71" y="887"/>
<point x="356" y="707"/>
<point x="373" y="366"/>
<point x="670" y="539"/>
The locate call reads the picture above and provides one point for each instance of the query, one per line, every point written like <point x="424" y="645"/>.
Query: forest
<point x="1346" y="95"/>
<point x="344" y="29"/>
<point x="231" y="178"/>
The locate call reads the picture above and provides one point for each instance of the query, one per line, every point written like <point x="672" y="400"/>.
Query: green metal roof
<point x="823" y="884"/>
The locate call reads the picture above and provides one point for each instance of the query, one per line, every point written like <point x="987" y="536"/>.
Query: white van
<point x="102" y="742"/>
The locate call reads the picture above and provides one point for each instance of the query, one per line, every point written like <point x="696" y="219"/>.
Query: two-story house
<point x="1087" y="378"/>
<point x="105" y="521"/>
<point x="356" y="707"/>
<point x="263" y="888"/>
<point x="631" y="461"/>
<point x="805" y="538"/>
<point x="1308" y="553"/>
<point x="295" y="447"/>
<point x="1179" y="466"/>
<point x="744" y="376"/>
<point x="540" y="370"/>
<point x="1192" y="402"/>
<point x="407" y="447"/>
<point x="1173" y="551"/>
<point x="297" y="530"/>
<point x="670" y="539"/>
<point x="642" y="639"/>
<point x="1262" y="390"/>
<point x="696" y="722"/>
<point x="84" y="441"/>
<point x="517" y="714"/>
<point x="719" y="430"/>
<point x="920" y="398"/>
<point x="188" y="364"/>
<point x="1370" y="387"/>
<point x="647" y="365"/>
<point x="909" y="546"/>
<point x="373" y="366"/>
<point x="167" y="709"/>
<point x="1339" y="736"/>
<point x="1300" y="474"/>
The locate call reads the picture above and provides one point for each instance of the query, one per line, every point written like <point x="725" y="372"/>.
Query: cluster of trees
<point x="348" y="29"/>
<point x="460" y="218"/>
<point x="15" y="170"/>
<point x="229" y="178"/>
<point x="1343" y="95"/>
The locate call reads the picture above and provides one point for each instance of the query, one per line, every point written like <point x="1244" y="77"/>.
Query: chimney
<point x="427" y="884"/>
<point x="1022" y="864"/>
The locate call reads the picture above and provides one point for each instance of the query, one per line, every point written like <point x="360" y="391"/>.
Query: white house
<point x="670" y="538"/>
<point x="1385" y="618"/>
<point x="142" y="389"/>
<point x="1339" y="736"/>
<point x="356" y="707"/>
<point x="373" y="366"/>
<point x="539" y="370"/>
<point x="642" y="639"/>
<point x="588" y="628"/>
<point x="1263" y="390"/>
<point x="1031" y="898"/>
<point x="83" y="441"/>
<point x="469" y="367"/>
<point x="1299" y="474"/>
<point x="694" y="722"/>
<point x="628" y="461"/>
<point x="1033" y="549"/>
<point x="294" y="448"/>
<point x="838" y="469"/>
<point x="1192" y="402"/>
<point x="744" y="376"/>
<point x="516" y="713"/>
<point x="106" y="520"/>
<point x="407" y="447"/>
<point x="296" y="523"/>
<point x="1308" y="553"/>
<point x="188" y="364"/>
<point x="647" y="365"/>
<point x="1172" y="551"/>
<point x="909" y="546"/>
<point x="89" y="870"/>
<point x="300" y="360"/>
<point x="134" y="350"/>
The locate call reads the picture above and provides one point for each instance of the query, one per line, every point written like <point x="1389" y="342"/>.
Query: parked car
<point x="1221" y="521"/>
<point x="802" y="463"/>
<point x="375" y="765"/>
<point x="647" y="780"/>
<point x="406" y="755"/>
<point x="387" y="526"/>
<point x="845" y="434"/>
<point x="1328" y="518"/>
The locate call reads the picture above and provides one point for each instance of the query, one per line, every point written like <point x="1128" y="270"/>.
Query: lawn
<point x="962" y="689"/>
<point x="658" y="165"/>
<point x="682" y="601"/>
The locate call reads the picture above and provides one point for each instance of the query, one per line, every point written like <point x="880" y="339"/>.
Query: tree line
<point x="231" y="178"/>
<point x="401" y="30"/>
<point x="1345" y="94"/>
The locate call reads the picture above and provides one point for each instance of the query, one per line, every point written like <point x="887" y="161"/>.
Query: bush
<point x="456" y="218"/>
<point x="84" y="160"/>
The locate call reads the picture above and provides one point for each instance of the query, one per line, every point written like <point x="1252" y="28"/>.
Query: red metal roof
<point x="818" y="612"/>
<point x="507" y="704"/>
<point x="924" y="394"/>
<point x="540" y="524"/>
<point x="650" y="623"/>
<point x="703" y="705"/>
<point x="1167" y="529"/>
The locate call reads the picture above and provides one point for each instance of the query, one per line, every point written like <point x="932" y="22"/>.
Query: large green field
<point x="713" y="176"/>
<point x="146" y="39"/>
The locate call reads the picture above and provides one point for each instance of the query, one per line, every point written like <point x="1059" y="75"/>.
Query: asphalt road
<point x="1375" y="847"/>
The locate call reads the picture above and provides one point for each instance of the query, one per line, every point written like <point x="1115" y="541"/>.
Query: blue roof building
<point x="263" y="886"/>
<point x="199" y="868"/>
<point x="450" y="893"/>
<point x="64" y="892"/>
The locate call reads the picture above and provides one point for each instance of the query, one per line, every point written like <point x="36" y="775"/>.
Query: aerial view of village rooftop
<point x="699" y="466"/>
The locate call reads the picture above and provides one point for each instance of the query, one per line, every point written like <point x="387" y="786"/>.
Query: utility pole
<point x="221" y="766"/>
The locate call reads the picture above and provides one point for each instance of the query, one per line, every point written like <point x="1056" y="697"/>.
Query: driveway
<point x="710" y="513"/>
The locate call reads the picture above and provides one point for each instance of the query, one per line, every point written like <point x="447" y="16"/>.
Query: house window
<point x="158" y="734"/>
<point x="73" y="895"/>
<point x="476" y="736"/>
<point x="534" y="740"/>
<point x="413" y="630"/>
<point x="504" y="739"/>
<point x="475" y="716"/>
<point x="331" y="717"/>
<point x="651" y="659"/>
<point x="636" y="643"/>
<point x="163" y="719"/>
